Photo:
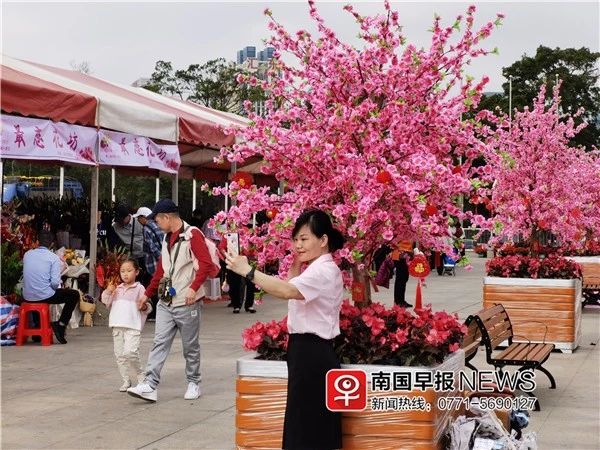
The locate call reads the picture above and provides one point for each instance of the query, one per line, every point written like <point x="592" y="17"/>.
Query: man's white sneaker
<point x="143" y="391"/>
<point x="193" y="391"/>
<point x="126" y="385"/>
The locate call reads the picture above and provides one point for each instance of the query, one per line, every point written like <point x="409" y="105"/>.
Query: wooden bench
<point x="495" y="328"/>
<point x="471" y="342"/>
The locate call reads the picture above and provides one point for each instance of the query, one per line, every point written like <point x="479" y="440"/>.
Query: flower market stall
<point x="130" y="127"/>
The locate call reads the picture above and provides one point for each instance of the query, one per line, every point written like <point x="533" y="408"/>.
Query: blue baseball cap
<point x="164" y="206"/>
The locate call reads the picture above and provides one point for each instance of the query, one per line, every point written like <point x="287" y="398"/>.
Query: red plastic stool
<point x="45" y="329"/>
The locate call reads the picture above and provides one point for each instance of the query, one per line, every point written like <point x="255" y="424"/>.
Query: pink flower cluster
<point x="269" y="339"/>
<point x="374" y="335"/>
<point x="520" y="266"/>
<point x="394" y="336"/>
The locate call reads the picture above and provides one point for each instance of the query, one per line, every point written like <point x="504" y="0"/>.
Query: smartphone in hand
<point x="233" y="244"/>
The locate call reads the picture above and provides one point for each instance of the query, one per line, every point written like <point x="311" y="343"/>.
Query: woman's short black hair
<point x="320" y="224"/>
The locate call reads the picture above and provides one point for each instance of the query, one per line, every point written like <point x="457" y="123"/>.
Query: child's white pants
<point x="127" y="351"/>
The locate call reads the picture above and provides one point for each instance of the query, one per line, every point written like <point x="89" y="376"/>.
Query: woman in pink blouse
<point x="315" y="298"/>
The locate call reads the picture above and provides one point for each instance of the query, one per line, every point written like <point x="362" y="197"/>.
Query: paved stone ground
<point x="65" y="396"/>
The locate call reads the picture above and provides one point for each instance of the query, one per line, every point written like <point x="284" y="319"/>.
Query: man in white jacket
<point x="185" y="264"/>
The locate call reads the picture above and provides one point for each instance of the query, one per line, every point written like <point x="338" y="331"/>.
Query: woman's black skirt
<point x="309" y="425"/>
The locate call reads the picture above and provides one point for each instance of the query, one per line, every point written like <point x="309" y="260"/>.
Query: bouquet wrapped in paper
<point x="75" y="262"/>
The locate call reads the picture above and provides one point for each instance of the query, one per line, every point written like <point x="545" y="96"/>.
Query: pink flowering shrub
<point x="269" y="339"/>
<point x="520" y="266"/>
<point x="374" y="335"/>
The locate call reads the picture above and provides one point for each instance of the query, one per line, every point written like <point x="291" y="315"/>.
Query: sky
<point x="122" y="41"/>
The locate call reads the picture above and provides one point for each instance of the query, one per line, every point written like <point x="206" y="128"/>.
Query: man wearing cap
<point x="153" y="237"/>
<point x="185" y="261"/>
<point x="130" y="233"/>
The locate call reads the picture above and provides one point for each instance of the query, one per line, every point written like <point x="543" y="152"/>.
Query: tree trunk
<point x="534" y="248"/>
<point x="361" y="287"/>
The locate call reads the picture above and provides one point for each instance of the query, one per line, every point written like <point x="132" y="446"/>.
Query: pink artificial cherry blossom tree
<point x="373" y="135"/>
<point x="540" y="184"/>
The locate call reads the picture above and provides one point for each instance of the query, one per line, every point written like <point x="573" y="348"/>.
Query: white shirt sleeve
<point x="311" y="283"/>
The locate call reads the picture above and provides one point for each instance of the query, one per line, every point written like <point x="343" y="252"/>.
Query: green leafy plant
<point x="12" y="268"/>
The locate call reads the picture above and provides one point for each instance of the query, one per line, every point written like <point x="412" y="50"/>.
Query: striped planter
<point x="261" y="395"/>
<point x="590" y="266"/>
<point x="540" y="310"/>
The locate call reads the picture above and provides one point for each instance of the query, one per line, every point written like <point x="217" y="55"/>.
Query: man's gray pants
<point x="169" y="319"/>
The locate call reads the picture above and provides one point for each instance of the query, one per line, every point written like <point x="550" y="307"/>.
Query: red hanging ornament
<point x="430" y="209"/>
<point x="419" y="268"/>
<point x="384" y="177"/>
<point x="271" y="213"/>
<point x="243" y="179"/>
<point x="457" y="169"/>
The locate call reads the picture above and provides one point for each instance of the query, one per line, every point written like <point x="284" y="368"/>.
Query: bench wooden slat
<point x="542" y="350"/>
<point x="494" y="321"/>
<point x="510" y="352"/>
<point x="523" y="351"/>
<point x="498" y="329"/>
<point x="485" y="314"/>
<point x="501" y="338"/>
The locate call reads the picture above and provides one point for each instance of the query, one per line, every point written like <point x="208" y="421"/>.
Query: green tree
<point x="213" y="84"/>
<point x="577" y="69"/>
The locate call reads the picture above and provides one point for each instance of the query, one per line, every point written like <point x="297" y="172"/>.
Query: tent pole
<point x="61" y="187"/>
<point x="157" y="189"/>
<point x="175" y="189"/>
<point x="112" y="184"/>
<point x="194" y="194"/>
<point x="94" y="226"/>
<point x="1" y="183"/>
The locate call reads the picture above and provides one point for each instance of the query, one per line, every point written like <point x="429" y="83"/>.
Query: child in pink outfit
<point x="127" y="321"/>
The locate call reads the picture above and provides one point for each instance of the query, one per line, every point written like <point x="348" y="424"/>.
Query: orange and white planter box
<point x="540" y="310"/>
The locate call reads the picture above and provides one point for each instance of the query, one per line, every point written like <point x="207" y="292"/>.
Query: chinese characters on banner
<point x="121" y="149"/>
<point x="28" y="138"/>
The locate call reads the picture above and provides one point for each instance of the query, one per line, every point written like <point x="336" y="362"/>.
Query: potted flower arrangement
<point x="481" y="250"/>
<point x="539" y="288"/>
<point x="371" y="337"/>
<point x="17" y="236"/>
